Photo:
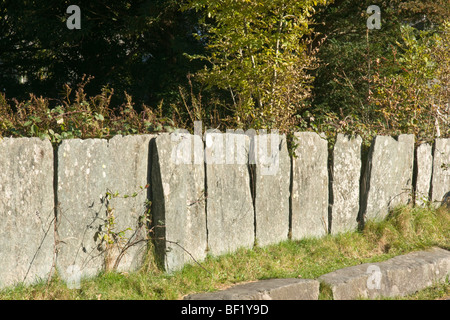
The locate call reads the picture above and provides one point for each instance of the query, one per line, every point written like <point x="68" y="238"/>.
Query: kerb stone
<point x="270" y="289"/>
<point x="399" y="276"/>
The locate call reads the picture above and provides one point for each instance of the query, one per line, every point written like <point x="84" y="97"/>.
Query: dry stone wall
<point x="82" y="206"/>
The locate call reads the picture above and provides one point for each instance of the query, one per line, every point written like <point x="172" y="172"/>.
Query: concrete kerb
<point x="399" y="276"/>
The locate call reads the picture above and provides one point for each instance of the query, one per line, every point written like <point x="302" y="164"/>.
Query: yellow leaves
<point x="257" y="48"/>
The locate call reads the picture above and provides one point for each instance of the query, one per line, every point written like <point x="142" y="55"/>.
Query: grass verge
<point x="404" y="230"/>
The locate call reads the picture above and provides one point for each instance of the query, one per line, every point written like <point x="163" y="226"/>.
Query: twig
<point x="38" y="249"/>
<point x="174" y="242"/>
<point x="55" y="253"/>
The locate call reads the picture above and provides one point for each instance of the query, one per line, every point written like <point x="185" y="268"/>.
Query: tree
<point x="135" y="46"/>
<point x="258" y="51"/>
<point x="360" y="64"/>
<point x="417" y="97"/>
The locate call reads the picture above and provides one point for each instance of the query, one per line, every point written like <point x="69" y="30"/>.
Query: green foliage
<point x="286" y="65"/>
<point x="416" y="97"/>
<point x="78" y="117"/>
<point x="407" y="228"/>
<point x="259" y="52"/>
<point x="114" y="243"/>
<point x="135" y="46"/>
<point x="370" y="80"/>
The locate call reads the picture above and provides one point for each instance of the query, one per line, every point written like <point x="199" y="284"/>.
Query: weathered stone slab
<point x="97" y="179"/>
<point x="310" y="186"/>
<point x="441" y="170"/>
<point x="446" y="201"/>
<point x="178" y="208"/>
<point x="398" y="276"/>
<point x="81" y="188"/>
<point x="424" y="160"/>
<point x="271" y="289"/>
<point x="129" y="176"/>
<point x="346" y="175"/>
<point x="26" y="210"/>
<point x="272" y="179"/>
<point x="229" y="201"/>
<point x="388" y="176"/>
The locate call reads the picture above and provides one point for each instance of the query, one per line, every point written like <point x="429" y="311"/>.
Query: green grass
<point x="404" y="230"/>
<point x="438" y="291"/>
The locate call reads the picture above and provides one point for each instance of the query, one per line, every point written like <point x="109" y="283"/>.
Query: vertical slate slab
<point x="441" y="169"/>
<point x="129" y="175"/>
<point x="229" y="204"/>
<point x="272" y="179"/>
<point x="388" y="176"/>
<point x="424" y="162"/>
<point x="83" y="169"/>
<point x="310" y="186"/>
<point x="87" y="171"/>
<point x="26" y="210"/>
<point x="346" y="182"/>
<point x="178" y="208"/>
